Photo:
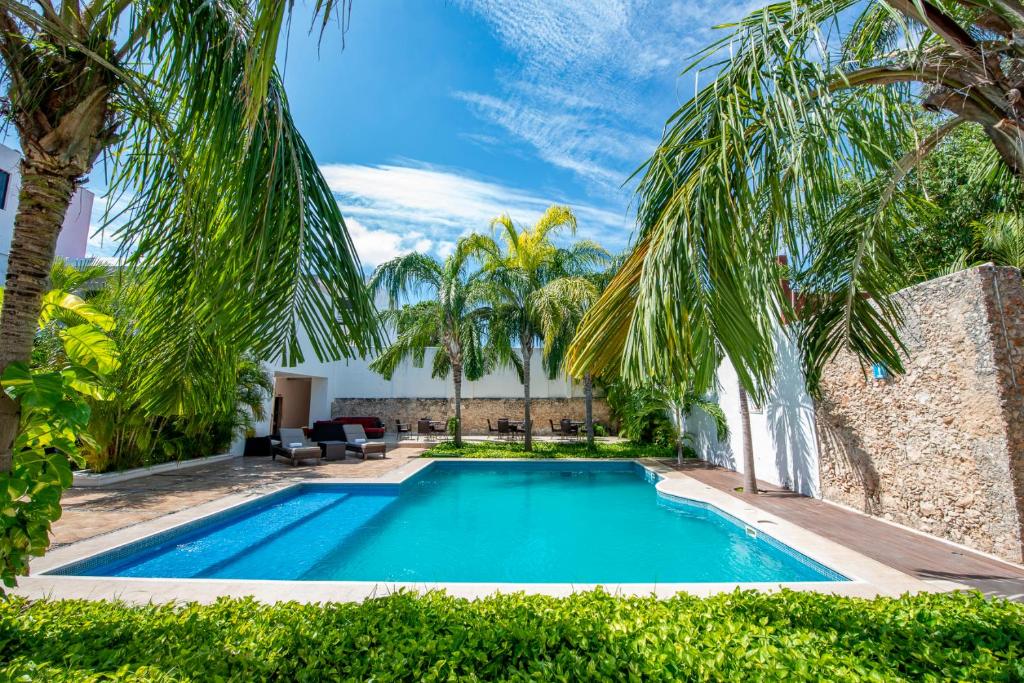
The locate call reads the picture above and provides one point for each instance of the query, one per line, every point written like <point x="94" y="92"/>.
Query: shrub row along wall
<point x="475" y="411"/>
<point x="941" y="448"/>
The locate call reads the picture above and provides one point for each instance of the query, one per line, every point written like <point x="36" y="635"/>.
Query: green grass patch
<point x="547" y="449"/>
<point x="786" y="636"/>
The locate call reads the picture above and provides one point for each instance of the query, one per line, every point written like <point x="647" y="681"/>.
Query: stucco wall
<point x="74" y="235"/>
<point x="940" y="448"/>
<point x="475" y="412"/>
<point x="781" y="431"/>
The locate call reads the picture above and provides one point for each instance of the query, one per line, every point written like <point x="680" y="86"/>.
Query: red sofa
<point x="373" y="427"/>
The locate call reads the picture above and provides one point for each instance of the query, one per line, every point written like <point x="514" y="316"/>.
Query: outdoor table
<point x="332" y="449"/>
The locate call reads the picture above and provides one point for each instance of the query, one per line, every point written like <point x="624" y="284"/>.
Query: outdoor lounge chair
<point x="296" y="448"/>
<point x="403" y="430"/>
<point x="356" y="440"/>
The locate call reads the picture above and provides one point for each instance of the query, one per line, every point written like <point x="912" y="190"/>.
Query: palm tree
<point x="753" y="165"/>
<point x="562" y="305"/>
<point x="454" y="318"/>
<point x="650" y="410"/>
<point x="517" y="274"/>
<point x="1000" y="238"/>
<point x="232" y="225"/>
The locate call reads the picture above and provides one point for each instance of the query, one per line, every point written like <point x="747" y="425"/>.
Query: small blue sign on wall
<point x="879" y="371"/>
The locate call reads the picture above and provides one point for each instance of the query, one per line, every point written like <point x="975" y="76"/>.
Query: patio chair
<point x="404" y="431"/>
<point x="490" y="429"/>
<point x="424" y="429"/>
<point x="557" y="431"/>
<point x="504" y="428"/>
<point x="355" y="437"/>
<point x="569" y="429"/>
<point x="296" y="448"/>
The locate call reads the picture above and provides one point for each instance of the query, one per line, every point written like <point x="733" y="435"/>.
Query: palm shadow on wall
<point x="842" y="445"/>
<point x="790" y="420"/>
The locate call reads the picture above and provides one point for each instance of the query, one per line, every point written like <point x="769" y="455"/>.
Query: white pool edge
<point x="868" y="577"/>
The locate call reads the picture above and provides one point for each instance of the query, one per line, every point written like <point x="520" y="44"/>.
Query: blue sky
<point x="437" y="115"/>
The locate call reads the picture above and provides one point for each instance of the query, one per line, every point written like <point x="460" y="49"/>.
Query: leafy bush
<point x="130" y="425"/>
<point x="55" y="410"/>
<point x="546" y="449"/>
<point x="786" y="636"/>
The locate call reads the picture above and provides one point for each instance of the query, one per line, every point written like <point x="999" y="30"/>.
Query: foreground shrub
<point x="548" y="449"/>
<point x="591" y="636"/>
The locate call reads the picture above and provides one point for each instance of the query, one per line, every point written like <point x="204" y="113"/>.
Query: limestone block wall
<point x="940" y="448"/>
<point x="475" y="411"/>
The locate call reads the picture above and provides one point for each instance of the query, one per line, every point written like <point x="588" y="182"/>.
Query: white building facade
<point x="74" y="235"/>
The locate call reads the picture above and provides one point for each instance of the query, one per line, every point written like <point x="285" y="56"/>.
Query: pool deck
<point x="885" y="558"/>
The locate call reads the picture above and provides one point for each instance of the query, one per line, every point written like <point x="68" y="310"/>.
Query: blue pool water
<point x="567" y="522"/>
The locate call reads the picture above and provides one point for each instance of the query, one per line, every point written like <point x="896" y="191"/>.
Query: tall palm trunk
<point x="527" y="422"/>
<point x="42" y="203"/>
<point x="457" y="376"/>
<point x="680" y="431"/>
<point x="749" y="476"/>
<point x="588" y="403"/>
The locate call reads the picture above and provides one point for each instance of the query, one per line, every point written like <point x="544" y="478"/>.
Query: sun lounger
<point x="355" y="438"/>
<point x="296" y="448"/>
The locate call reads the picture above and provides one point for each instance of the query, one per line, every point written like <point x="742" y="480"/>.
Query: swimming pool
<point x="512" y="522"/>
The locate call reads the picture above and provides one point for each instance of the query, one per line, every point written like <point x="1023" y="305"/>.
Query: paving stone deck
<point x="89" y="512"/>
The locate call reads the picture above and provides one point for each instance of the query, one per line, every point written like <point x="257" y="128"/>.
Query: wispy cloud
<point x="597" y="78"/>
<point x="409" y="206"/>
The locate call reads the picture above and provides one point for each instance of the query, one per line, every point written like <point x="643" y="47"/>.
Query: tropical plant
<point x="122" y="431"/>
<point x="957" y="179"/>
<point x="656" y="413"/>
<point x="1000" y="239"/>
<point x="562" y="304"/>
<point x="233" y="227"/>
<point x="803" y="96"/>
<point x="453" y="318"/>
<point x="519" y="269"/>
<point x="55" y="400"/>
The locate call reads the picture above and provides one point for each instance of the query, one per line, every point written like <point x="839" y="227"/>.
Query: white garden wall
<point x="782" y="431"/>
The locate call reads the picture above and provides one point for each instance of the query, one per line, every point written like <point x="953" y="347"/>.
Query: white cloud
<point x="396" y="208"/>
<point x="375" y="246"/>
<point x="597" y="78"/>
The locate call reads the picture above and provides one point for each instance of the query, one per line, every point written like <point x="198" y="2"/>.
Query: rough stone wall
<point x="475" y="411"/>
<point x="940" y="448"/>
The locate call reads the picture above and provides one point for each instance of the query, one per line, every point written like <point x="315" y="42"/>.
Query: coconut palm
<point x="453" y="317"/>
<point x="790" y="115"/>
<point x="804" y="95"/>
<point x="232" y="225"/>
<point x="518" y="270"/>
<point x="562" y="305"/>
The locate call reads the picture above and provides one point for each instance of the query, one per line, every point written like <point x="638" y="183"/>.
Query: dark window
<point x="5" y="180"/>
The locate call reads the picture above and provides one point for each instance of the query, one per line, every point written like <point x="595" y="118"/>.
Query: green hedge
<point x="547" y="449"/>
<point x="592" y="636"/>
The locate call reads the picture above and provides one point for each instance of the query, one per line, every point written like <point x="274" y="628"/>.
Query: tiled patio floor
<point x="921" y="556"/>
<point x="90" y="512"/>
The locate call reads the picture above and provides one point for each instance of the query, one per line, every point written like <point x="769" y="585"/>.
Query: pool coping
<point x="867" y="577"/>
